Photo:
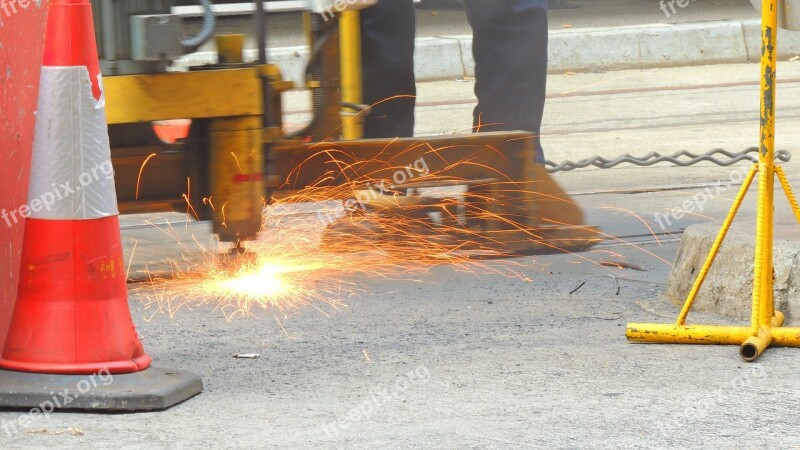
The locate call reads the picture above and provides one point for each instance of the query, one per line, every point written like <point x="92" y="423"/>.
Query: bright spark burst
<point x="266" y="282"/>
<point x="315" y="248"/>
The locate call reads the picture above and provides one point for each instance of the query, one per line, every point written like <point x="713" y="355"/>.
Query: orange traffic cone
<point x="71" y="315"/>
<point x="71" y="319"/>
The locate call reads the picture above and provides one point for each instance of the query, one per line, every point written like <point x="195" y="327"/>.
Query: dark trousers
<point x="387" y="46"/>
<point x="510" y="52"/>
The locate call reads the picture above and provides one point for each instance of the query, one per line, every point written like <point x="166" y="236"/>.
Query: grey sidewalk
<point x="580" y="50"/>
<point x="286" y="30"/>
<point x="580" y="39"/>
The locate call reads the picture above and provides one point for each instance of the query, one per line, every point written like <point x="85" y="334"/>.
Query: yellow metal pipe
<point x="754" y="346"/>
<point x="709" y="334"/>
<point x="687" y="334"/>
<point x="352" y="89"/>
<point x="787" y="189"/>
<point x="763" y="306"/>
<point x="777" y="320"/>
<point x="726" y="225"/>
<point x="786" y="337"/>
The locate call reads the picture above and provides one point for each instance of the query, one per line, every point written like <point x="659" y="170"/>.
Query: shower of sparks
<point x="323" y="239"/>
<point x="286" y="269"/>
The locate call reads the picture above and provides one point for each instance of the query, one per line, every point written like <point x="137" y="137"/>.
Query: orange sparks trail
<point x="319" y="242"/>
<point x="141" y="170"/>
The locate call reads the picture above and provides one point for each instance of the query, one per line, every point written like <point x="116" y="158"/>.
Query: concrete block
<point x="729" y="285"/>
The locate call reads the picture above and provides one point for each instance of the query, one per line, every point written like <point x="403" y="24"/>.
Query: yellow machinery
<point x="766" y="327"/>
<point x="237" y="158"/>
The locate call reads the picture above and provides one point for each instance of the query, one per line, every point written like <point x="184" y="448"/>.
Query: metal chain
<point x="682" y="159"/>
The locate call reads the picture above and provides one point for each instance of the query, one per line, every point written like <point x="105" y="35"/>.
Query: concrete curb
<point x="585" y="49"/>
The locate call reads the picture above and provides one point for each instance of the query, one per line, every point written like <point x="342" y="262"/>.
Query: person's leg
<point x="387" y="45"/>
<point x="510" y="50"/>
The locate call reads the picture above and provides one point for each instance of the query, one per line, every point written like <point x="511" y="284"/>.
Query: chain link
<point x="682" y="159"/>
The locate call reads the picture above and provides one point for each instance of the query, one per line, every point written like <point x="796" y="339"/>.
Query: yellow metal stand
<point x="766" y="326"/>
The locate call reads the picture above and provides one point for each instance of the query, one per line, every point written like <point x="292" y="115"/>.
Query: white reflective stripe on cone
<point x="71" y="173"/>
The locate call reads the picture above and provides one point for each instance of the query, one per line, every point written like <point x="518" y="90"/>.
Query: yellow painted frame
<point x="189" y="95"/>
<point x="766" y="324"/>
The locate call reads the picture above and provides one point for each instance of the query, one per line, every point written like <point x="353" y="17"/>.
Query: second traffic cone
<point x="71" y="315"/>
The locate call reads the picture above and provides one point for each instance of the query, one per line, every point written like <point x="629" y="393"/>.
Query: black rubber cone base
<point x="151" y="390"/>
